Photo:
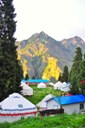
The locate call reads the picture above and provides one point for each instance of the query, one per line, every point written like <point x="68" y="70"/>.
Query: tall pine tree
<point x="75" y="71"/>
<point x="82" y="66"/>
<point x="65" y="74"/>
<point x="82" y="76"/>
<point x="60" y="77"/>
<point x="10" y="69"/>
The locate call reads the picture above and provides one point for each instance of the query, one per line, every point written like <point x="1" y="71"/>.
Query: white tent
<point x="41" y="85"/>
<point x="58" y="85"/>
<point x="49" y="96"/>
<point x="16" y="106"/>
<point x="51" y="83"/>
<point x="65" y="87"/>
<point x="42" y="104"/>
<point x="64" y="84"/>
<point x="26" y="90"/>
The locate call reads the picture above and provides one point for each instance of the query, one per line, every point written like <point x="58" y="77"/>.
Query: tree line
<point x="76" y="74"/>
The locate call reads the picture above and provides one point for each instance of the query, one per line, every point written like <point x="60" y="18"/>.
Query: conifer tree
<point x="26" y="77"/>
<point x="60" y="77"/>
<point x="82" y="71"/>
<point x="10" y="69"/>
<point x="33" y="77"/>
<point x="65" y="74"/>
<point x="82" y="75"/>
<point x="75" y="71"/>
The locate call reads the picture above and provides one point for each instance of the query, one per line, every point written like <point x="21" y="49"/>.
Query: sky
<point x="59" y="19"/>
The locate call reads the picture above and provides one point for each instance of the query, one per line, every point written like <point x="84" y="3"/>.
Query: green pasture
<point x="40" y="93"/>
<point x="57" y="121"/>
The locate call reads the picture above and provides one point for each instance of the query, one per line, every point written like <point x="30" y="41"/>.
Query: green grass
<point x="57" y="121"/>
<point x="39" y="94"/>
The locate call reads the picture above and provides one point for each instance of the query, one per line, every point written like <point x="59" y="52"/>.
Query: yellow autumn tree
<point x="52" y="69"/>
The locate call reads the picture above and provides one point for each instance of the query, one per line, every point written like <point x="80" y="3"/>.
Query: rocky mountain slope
<point x="44" y="57"/>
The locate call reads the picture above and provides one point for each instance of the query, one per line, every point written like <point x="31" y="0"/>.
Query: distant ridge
<point x="44" y="57"/>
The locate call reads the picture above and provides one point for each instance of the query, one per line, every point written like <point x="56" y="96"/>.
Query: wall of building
<point x="72" y="108"/>
<point x="51" y="104"/>
<point x="69" y="109"/>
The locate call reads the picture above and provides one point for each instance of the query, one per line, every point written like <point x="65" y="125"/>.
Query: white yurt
<point x="23" y="81"/>
<point x="58" y="85"/>
<point x="26" y="90"/>
<point x="42" y="104"/>
<point x="51" y="83"/>
<point x="41" y="85"/>
<point x="65" y="89"/>
<point x="64" y="84"/>
<point x="15" y="107"/>
<point x="47" y="97"/>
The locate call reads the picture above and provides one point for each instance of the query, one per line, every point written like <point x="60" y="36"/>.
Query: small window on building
<point x="20" y="105"/>
<point x="82" y="106"/>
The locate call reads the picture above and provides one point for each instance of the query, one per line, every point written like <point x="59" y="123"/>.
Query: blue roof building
<point x="63" y="100"/>
<point x="70" y="104"/>
<point x="37" y="80"/>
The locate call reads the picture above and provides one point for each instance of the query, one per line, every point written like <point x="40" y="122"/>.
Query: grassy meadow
<point x="40" y="93"/>
<point x="57" y="121"/>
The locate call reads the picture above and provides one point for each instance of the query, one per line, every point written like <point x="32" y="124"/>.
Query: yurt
<point x="15" y="107"/>
<point x="64" y="84"/>
<point x="41" y="85"/>
<point x="23" y="81"/>
<point x="58" y="85"/>
<point x="65" y="87"/>
<point x="26" y="90"/>
<point x="51" y="83"/>
<point x="42" y="104"/>
<point x="47" y="97"/>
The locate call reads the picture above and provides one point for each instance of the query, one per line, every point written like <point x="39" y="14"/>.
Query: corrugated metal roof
<point x="37" y="80"/>
<point x="70" y="99"/>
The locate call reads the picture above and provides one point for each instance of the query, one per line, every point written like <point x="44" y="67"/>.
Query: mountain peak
<point x="42" y="33"/>
<point x="77" y="38"/>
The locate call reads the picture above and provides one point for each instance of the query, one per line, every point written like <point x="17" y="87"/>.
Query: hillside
<point x="44" y="57"/>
